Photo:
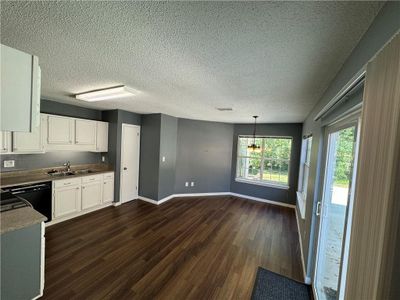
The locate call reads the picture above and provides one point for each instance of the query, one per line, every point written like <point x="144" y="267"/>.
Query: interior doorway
<point x="130" y="150"/>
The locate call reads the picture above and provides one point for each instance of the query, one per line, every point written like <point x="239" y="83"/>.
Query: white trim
<point x="81" y="213"/>
<point x="152" y="201"/>
<point x="262" y="183"/>
<point x="307" y="279"/>
<point x="116" y="203"/>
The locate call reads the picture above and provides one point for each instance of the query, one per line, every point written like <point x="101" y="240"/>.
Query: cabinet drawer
<point x="66" y="182"/>
<point x="92" y="178"/>
<point x="108" y="175"/>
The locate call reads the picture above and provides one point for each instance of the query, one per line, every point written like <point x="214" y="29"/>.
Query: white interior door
<point x="130" y="149"/>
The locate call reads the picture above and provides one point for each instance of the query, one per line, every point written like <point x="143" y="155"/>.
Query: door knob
<point x="125" y="168"/>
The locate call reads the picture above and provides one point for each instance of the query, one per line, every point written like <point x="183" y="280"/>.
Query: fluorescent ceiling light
<point x="107" y="94"/>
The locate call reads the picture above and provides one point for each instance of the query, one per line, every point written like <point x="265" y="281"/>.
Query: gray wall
<point x="115" y="118"/>
<point x="168" y="143"/>
<point x="385" y="25"/>
<point x="204" y="155"/>
<point x="62" y="109"/>
<point x="149" y="156"/>
<point x="280" y="195"/>
<point x="48" y="160"/>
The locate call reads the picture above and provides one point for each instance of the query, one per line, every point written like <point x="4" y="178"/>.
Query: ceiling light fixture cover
<point x="253" y="147"/>
<point x="115" y="92"/>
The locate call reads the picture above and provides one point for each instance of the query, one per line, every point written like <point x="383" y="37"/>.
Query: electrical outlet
<point x="163" y="158"/>
<point x="9" y="163"/>
<point x="192" y="183"/>
<point x="186" y="183"/>
<point x="103" y="158"/>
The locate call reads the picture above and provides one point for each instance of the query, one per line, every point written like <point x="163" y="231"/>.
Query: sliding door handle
<point x="318" y="210"/>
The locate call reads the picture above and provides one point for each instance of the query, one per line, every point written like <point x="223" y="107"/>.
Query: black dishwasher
<point x="39" y="195"/>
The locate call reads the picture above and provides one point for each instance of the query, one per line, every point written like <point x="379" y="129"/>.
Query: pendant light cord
<point x="255" y="127"/>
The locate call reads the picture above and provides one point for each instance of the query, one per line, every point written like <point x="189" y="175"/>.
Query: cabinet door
<point x="67" y="201"/>
<point x="16" y="90"/>
<point x="59" y="130"/>
<point x="28" y="142"/>
<point x="85" y="132"/>
<point x="102" y="137"/>
<point x="91" y="194"/>
<point x="108" y="191"/>
<point x="5" y="141"/>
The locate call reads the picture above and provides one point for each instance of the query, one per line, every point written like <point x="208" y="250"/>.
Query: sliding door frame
<point x="353" y="118"/>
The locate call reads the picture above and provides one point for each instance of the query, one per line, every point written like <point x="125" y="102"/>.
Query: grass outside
<point x="274" y="177"/>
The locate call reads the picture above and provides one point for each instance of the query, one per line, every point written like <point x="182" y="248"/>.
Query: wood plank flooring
<point x="186" y="248"/>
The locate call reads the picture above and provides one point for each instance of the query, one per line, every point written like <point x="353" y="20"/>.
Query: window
<point x="269" y="166"/>
<point x="303" y="177"/>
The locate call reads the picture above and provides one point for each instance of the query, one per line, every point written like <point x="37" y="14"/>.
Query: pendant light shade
<point x="253" y="147"/>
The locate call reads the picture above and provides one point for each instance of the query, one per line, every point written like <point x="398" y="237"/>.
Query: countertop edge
<point x="20" y="218"/>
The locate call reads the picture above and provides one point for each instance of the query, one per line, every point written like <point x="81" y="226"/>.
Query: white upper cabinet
<point x="29" y="142"/>
<point x="5" y="142"/>
<point x="20" y="90"/>
<point x="85" y="132"/>
<point x="102" y="137"/>
<point x="60" y="130"/>
<point x="72" y="134"/>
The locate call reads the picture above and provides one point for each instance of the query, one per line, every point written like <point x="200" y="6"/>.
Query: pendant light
<point x="253" y="147"/>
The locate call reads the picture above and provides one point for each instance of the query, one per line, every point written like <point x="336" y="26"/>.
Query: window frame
<point x="305" y="163"/>
<point x="260" y="181"/>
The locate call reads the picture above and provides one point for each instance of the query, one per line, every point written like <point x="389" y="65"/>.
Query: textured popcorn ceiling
<point x="272" y="59"/>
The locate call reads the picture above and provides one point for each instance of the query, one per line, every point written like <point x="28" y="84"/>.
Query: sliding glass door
<point x="335" y="209"/>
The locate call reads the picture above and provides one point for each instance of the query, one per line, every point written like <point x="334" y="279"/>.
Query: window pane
<point x="249" y="168"/>
<point x="276" y="171"/>
<point x="274" y="157"/>
<point x="305" y="181"/>
<point x="308" y="155"/>
<point x="277" y="148"/>
<point x="244" y="142"/>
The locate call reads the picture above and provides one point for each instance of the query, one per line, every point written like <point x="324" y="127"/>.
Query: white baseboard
<point x="117" y="203"/>
<point x="81" y="213"/>
<point x="152" y="201"/>
<point x="306" y="278"/>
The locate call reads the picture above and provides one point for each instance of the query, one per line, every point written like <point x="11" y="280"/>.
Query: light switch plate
<point x="9" y="163"/>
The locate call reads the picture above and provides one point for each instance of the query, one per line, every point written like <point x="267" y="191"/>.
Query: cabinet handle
<point x="67" y="183"/>
<point x="77" y="188"/>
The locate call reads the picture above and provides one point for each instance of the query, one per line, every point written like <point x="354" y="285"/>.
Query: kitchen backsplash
<point x="49" y="159"/>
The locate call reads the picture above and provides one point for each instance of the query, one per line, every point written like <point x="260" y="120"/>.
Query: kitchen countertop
<point x="9" y="179"/>
<point x="19" y="218"/>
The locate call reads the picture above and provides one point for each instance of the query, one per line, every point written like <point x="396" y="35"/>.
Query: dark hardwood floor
<point x="186" y="248"/>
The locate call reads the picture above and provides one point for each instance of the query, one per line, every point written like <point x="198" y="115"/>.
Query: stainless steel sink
<point x="56" y="173"/>
<point x="60" y="173"/>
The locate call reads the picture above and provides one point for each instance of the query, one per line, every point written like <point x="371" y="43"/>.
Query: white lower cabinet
<point x="108" y="188"/>
<point x="78" y="195"/>
<point x="91" y="194"/>
<point x="67" y="200"/>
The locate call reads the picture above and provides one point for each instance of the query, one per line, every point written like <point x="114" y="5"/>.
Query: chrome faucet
<point x="67" y="166"/>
